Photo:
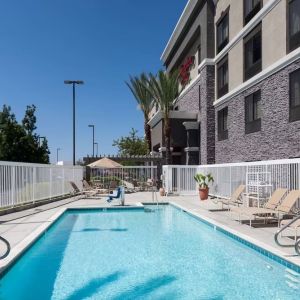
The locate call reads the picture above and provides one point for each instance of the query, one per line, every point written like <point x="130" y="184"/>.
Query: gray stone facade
<point x="277" y="139"/>
<point x="203" y="104"/>
<point x="189" y="100"/>
<point x="207" y="115"/>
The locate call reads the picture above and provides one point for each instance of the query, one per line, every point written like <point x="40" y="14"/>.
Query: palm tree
<point x="164" y="88"/>
<point x="139" y="88"/>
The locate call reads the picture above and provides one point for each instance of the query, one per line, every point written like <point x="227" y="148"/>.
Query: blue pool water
<point x="133" y="254"/>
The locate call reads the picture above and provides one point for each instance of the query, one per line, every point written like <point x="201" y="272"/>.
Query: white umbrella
<point x="105" y="163"/>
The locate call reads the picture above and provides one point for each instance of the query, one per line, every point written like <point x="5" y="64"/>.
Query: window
<point x="222" y="32"/>
<point x="222" y="124"/>
<point x="253" y="112"/>
<point x="251" y="8"/>
<point x="295" y="96"/>
<point x="294" y="24"/>
<point x="252" y="53"/>
<point x="222" y="77"/>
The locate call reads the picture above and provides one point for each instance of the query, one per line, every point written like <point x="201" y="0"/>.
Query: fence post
<point x="13" y="185"/>
<point x="33" y="183"/>
<point x="50" y="185"/>
<point x="63" y="181"/>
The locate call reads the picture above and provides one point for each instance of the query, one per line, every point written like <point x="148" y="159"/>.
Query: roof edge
<point x="178" y="28"/>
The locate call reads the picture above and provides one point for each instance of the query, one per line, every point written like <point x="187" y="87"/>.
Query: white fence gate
<point x="273" y="173"/>
<point x="22" y="183"/>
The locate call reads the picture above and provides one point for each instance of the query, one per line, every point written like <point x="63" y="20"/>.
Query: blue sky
<point x="101" y="42"/>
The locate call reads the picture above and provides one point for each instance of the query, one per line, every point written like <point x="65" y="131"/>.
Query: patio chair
<point x="269" y="206"/>
<point x="78" y="192"/>
<point x="283" y="209"/>
<point x="88" y="187"/>
<point x="295" y="227"/>
<point x="235" y="198"/>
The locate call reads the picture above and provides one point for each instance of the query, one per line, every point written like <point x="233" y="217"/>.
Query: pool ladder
<point x="297" y="243"/>
<point x="7" y="244"/>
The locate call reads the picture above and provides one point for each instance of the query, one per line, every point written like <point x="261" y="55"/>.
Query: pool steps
<point x="292" y="279"/>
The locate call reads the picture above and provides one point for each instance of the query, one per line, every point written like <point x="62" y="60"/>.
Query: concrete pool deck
<point x="22" y="228"/>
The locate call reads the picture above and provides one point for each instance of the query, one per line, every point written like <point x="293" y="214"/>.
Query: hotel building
<point x="239" y="63"/>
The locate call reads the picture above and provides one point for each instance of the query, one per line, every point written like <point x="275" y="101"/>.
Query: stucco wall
<point x="274" y="35"/>
<point x="235" y="15"/>
<point x="278" y="138"/>
<point x="236" y="65"/>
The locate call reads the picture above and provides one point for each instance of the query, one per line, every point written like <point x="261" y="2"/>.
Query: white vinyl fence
<point x="262" y="177"/>
<point x="22" y="183"/>
<point x="132" y="177"/>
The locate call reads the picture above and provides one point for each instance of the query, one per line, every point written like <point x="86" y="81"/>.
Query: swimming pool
<point x="134" y="254"/>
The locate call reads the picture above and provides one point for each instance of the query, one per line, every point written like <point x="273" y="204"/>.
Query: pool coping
<point x="267" y="250"/>
<point x="251" y="242"/>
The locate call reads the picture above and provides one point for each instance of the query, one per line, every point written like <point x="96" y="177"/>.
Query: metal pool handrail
<point x="296" y="245"/>
<point x="7" y="246"/>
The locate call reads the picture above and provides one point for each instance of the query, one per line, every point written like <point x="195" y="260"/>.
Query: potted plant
<point x="203" y="182"/>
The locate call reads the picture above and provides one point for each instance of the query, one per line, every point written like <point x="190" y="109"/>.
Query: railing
<point x="7" y="245"/>
<point x="281" y="174"/>
<point x="278" y="233"/>
<point x="132" y="177"/>
<point x="22" y="183"/>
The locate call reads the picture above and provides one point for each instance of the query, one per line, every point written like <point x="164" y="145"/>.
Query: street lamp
<point x="96" y="148"/>
<point x="57" y="150"/>
<point x="73" y="82"/>
<point x="93" y="126"/>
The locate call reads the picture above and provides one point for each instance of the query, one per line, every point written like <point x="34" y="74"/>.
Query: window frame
<point x="224" y="89"/>
<point x="294" y="111"/>
<point x="255" y="124"/>
<point x="225" y="14"/>
<point x="247" y="18"/>
<point x="222" y="133"/>
<point x="293" y="42"/>
<point x="257" y="66"/>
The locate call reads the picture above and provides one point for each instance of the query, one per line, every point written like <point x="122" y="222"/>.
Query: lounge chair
<point x="294" y="227"/>
<point x="235" y="198"/>
<point x="78" y="192"/>
<point x="283" y="209"/>
<point x="269" y="207"/>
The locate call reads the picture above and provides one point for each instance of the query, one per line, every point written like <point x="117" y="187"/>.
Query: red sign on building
<point x="184" y="72"/>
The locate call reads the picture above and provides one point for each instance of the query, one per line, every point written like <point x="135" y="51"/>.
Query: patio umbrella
<point x="104" y="163"/>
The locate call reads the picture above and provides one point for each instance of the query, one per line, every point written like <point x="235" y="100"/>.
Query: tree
<point x="19" y="142"/>
<point x="131" y="145"/>
<point x="164" y="88"/>
<point x="139" y="87"/>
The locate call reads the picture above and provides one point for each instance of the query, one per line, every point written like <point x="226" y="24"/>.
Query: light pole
<point x="93" y="126"/>
<point x="73" y="82"/>
<point x="57" y="150"/>
<point x="96" y="148"/>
